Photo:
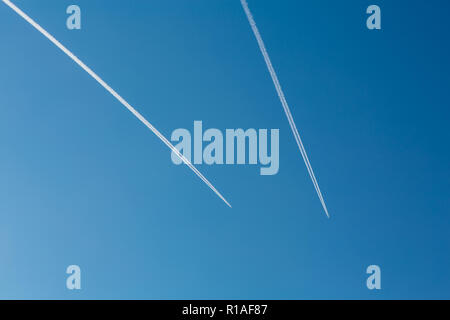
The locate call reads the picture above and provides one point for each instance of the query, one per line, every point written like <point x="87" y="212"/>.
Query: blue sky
<point x="83" y="182"/>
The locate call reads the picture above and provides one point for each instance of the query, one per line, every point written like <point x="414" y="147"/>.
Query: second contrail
<point x="284" y="103"/>
<point x="114" y="94"/>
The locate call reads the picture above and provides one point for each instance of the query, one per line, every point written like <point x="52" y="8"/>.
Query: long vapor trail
<point x="284" y="103"/>
<point x="114" y="94"/>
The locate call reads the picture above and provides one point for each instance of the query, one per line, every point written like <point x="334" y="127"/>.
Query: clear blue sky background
<point x="83" y="182"/>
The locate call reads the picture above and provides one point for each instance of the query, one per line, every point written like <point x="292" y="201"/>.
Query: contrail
<point x="284" y="103"/>
<point x="115" y="95"/>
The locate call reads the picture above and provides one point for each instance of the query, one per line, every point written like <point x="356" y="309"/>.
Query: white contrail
<point x="284" y="103"/>
<point x="114" y="93"/>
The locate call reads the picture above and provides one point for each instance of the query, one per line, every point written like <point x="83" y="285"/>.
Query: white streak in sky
<point x="115" y="94"/>
<point x="284" y="103"/>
